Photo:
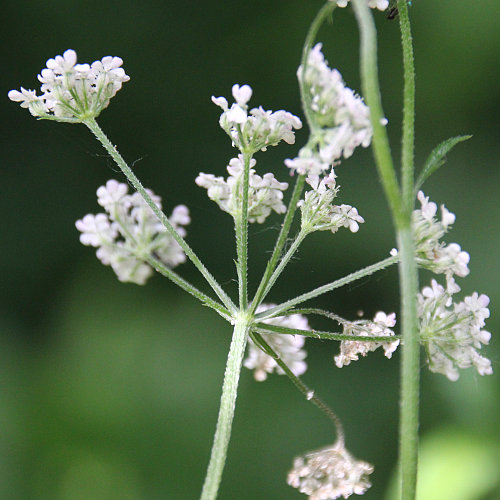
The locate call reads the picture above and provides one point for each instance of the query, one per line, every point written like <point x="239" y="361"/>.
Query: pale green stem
<point x="113" y="152"/>
<point x="280" y="243"/>
<point x="303" y="388"/>
<point x="318" y="334"/>
<point x="401" y="212"/>
<point x="241" y="225"/>
<point x="367" y="271"/>
<point x="227" y="405"/>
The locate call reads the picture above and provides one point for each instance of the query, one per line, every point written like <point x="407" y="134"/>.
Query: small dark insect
<point x="393" y="11"/>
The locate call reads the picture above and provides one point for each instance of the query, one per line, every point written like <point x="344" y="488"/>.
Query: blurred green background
<point x="111" y="391"/>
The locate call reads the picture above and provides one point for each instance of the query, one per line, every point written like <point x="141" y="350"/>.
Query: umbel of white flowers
<point x="73" y="92"/>
<point x="374" y="4"/>
<point x="341" y="120"/>
<point x="129" y="233"/>
<point x="265" y="194"/>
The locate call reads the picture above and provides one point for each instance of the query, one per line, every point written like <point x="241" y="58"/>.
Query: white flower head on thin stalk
<point x="451" y="332"/>
<point x="258" y="129"/>
<point x="433" y="254"/>
<point x="288" y="347"/>
<point x="374" y="4"/>
<point x="381" y="326"/>
<point x="330" y="473"/>
<point x="73" y="92"/>
<point x="265" y="194"/>
<point x="318" y="211"/>
<point x="129" y="232"/>
<point x="341" y="120"/>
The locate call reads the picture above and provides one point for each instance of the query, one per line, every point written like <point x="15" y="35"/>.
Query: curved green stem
<point x="303" y="388"/>
<point x="113" y="152"/>
<point x="226" y="411"/>
<point x="371" y="92"/>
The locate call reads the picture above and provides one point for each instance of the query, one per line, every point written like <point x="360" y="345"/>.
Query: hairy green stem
<point x="408" y="133"/>
<point x="318" y="334"/>
<point x="280" y="243"/>
<point x="242" y="236"/>
<point x="132" y="178"/>
<point x="401" y="209"/>
<point x="227" y="406"/>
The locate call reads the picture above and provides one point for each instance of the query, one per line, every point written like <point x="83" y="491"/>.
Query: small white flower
<point x="258" y="129"/>
<point x="73" y="92"/>
<point x="129" y="232"/>
<point x="452" y="332"/>
<point x="265" y="194"/>
<point x="381" y="326"/>
<point x="433" y="254"/>
<point x="330" y="473"/>
<point x="288" y="347"/>
<point x="318" y="211"/>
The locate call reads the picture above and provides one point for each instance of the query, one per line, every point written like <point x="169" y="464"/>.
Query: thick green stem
<point x="408" y="135"/>
<point x="410" y="367"/>
<point x="401" y="208"/>
<point x="113" y="152"/>
<point x="227" y="405"/>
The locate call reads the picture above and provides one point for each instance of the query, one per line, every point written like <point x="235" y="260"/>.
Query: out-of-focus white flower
<point x="341" y="118"/>
<point x="129" y="232"/>
<point x="73" y="92"/>
<point x="433" y="254"/>
<point x="255" y="130"/>
<point x="264" y="193"/>
<point x="330" y="473"/>
<point x="318" y="211"/>
<point x="450" y="332"/>
<point x="381" y="326"/>
<point x="288" y="347"/>
<point x="374" y="4"/>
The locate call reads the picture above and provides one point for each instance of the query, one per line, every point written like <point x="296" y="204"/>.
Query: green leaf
<point x="438" y="158"/>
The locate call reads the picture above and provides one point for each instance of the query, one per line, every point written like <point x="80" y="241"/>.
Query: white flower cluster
<point x="330" y="473"/>
<point x="374" y="4"/>
<point x="350" y="350"/>
<point x="264" y="193"/>
<point x="254" y="131"/>
<point x="341" y="118"/>
<point x="130" y="232"/>
<point x="318" y="211"/>
<point x="432" y="254"/>
<point x="452" y="332"/>
<point x="288" y="347"/>
<point x="73" y="92"/>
